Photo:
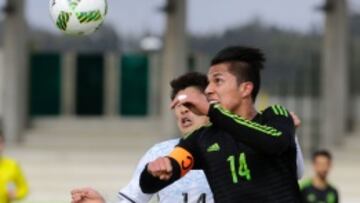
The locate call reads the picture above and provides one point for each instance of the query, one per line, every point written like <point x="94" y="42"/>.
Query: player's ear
<point x="246" y="89"/>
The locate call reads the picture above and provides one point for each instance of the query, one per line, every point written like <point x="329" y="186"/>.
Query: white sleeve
<point x="132" y="193"/>
<point x="299" y="159"/>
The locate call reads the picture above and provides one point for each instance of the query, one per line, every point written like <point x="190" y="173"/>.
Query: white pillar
<point x="68" y="84"/>
<point x="334" y="74"/>
<point x="15" y="71"/>
<point x="174" y="58"/>
<point x="111" y="87"/>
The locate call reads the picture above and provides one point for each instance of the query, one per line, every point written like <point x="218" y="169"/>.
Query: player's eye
<point x="218" y="81"/>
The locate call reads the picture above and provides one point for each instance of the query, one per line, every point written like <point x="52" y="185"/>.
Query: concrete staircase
<point x="58" y="155"/>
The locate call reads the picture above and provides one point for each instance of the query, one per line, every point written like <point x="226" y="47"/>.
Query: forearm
<point x="151" y="184"/>
<point x="272" y="138"/>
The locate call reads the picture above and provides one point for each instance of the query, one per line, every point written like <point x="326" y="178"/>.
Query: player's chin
<point x="188" y="129"/>
<point x="185" y="128"/>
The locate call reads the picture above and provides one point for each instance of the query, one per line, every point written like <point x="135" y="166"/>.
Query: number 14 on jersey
<point x="239" y="171"/>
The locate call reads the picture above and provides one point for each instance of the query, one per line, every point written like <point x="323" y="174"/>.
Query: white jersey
<point x="192" y="188"/>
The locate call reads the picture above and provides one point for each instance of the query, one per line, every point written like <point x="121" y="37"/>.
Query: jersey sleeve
<point x="22" y="188"/>
<point x="132" y="191"/>
<point x="191" y="145"/>
<point x="273" y="138"/>
<point x="300" y="166"/>
<point x="182" y="159"/>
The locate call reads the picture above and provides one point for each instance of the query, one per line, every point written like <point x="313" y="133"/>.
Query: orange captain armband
<point x="183" y="158"/>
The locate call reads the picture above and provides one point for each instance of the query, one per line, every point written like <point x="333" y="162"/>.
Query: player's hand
<point x="296" y="119"/>
<point x="161" y="168"/>
<point x="194" y="100"/>
<point x="86" y="195"/>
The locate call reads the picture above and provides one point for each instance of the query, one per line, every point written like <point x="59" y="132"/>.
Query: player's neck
<point x="319" y="182"/>
<point x="246" y="110"/>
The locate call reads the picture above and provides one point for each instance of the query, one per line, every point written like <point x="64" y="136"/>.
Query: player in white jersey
<point x="193" y="188"/>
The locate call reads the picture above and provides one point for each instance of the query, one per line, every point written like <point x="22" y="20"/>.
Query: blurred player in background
<point x="13" y="185"/>
<point x="317" y="189"/>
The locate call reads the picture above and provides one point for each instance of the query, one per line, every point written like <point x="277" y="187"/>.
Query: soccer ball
<point x="78" y="17"/>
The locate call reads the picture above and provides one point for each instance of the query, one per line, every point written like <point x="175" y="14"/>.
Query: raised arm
<point x="272" y="138"/>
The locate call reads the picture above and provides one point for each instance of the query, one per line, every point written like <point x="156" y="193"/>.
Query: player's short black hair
<point x="191" y="79"/>
<point x="324" y="153"/>
<point x="244" y="62"/>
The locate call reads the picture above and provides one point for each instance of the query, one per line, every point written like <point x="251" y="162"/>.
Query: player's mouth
<point x="213" y="101"/>
<point x="186" y="122"/>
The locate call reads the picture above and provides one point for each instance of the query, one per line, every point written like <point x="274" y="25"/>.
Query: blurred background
<point x="80" y="111"/>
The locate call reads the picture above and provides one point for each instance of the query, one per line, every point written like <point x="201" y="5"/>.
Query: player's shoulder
<point x="306" y="183"/>
<point x="164" y="146"/>
<point x="171" y="142"/>
<point x="332" y="187"/>
<point x="276" y="110"/>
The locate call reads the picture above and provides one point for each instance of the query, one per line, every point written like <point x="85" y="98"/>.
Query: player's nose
<point x="209" y="90"/>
